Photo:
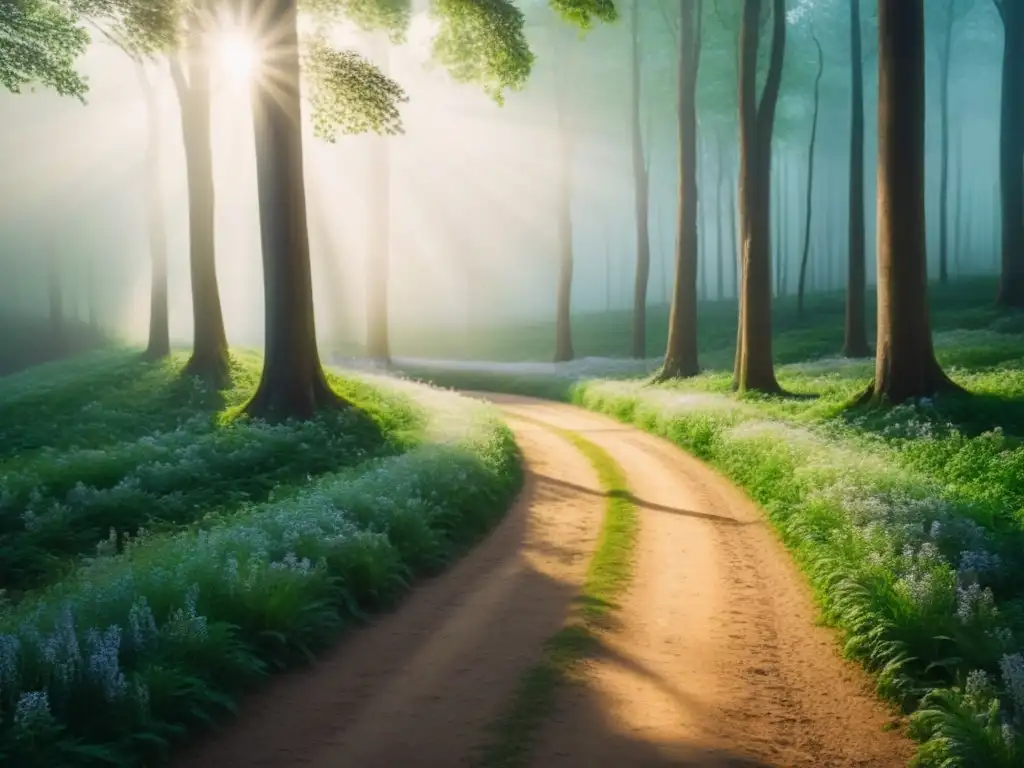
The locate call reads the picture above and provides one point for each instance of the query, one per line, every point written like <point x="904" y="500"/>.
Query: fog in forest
<point x="473" y="185"/>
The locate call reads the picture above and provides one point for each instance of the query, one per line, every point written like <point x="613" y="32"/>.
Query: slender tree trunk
<point x="563" y="316"/>
<point x="377" y="346"/>
<point x="855" y="337"/>
<point x="292" y="384"/>
<point x="754" y="370"/>
<point x="809" y="197"/>
<point x="720" y="251"/>
<point x="159" y="322"/>
<point x="958" y="209"/>
<point x="905" y="365"/>
<point x="1011" y="156"/>
<point x="681" y="350"/>
<point x="662" y="258"/>
<point x="734" y="251"/>
<point x="702" y="264"/>
<point x="784" y="231"/>
<point x="945" y="54"/>
<point x="210" y="345"/>
<point x="641" y="194"/>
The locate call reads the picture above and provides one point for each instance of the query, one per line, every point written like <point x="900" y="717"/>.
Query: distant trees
<point x="905" y="364"/>
<point x="681" y="351"/>
<point x="641" y="191"/>
<point x="754" y="367"/>
<point x="379" y="264"/>
<point x="564" y="138"/>
<point x="809" y="203"/>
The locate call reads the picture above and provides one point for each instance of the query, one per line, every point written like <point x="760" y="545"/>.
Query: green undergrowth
<point x="118" y="657"/>
<point x="110" y="467"/>
<point x="565" y="652"/>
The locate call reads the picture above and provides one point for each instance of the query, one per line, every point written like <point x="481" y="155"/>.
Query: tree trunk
<point x="734" y="252"/>
<point x="681" y="350"/>
<point x="754" y="369"/>
<point x="1011" y="156"/>
<point x="378" y="267"/>
<point x="641" y="194"/>
<point x="945" y="52"/>
<point x="958" y="208"/>
<point x="720" y="267"/>
<point x="784" y="231"/>
<point x="159" y="323"/>
<point x="809" y="198"/>
<point x="210" y="345"/>
<point x="563" y="312"/>
<point x="292" y="384"/>
<point x="702" y="264"/>
<point x="855" y="337"/>
<point x="905" y="365"/>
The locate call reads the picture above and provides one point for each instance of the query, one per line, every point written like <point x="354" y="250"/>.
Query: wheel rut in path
<point x="420" y="686"/>
<point x="714" y="658"/>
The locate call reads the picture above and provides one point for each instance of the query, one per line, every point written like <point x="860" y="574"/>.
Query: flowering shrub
<point x="121" y="659"/>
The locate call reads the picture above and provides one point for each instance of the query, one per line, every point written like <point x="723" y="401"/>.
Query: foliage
<point x="124" y="657"/>
<point x="40" y="43"/>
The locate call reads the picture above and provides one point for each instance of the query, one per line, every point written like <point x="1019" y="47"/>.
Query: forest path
<point x="713" y="658"/>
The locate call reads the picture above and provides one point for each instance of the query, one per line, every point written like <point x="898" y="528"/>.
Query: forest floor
<point x="710" y="657"/>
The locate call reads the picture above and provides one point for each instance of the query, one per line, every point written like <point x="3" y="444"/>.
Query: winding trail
<point x="714" y="659"/>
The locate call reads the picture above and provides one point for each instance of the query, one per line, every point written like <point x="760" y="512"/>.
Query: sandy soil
<point x="714" y="658"/>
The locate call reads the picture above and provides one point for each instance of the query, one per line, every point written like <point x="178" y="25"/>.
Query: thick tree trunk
<point x="754" y="369"/>
<point x="809" y="198"/>
<point x="293" y="384"/>
<point x="681" y="350"/>
<point x="563" y="310"/>
<point x="905" y="365"/>
<point x="855" y="338"/>
<point x="159" y="322"/>
<point x="210" y="345"/>
<point x="378" y="267"/>
<point x="641" y="194"/>
<point x="1011" y="156"/>
<point x="945" y="54"/>
<point x="720" y="251"/>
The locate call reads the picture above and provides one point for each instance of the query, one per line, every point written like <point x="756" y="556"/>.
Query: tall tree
<point x="564" y="137"/>
<point x="191" y="77"/>
<point x="951" y="10"/>
<point x="1011" y="155"/>
<point x="159" y="321"/>
<point x="377" y="346"/>
<point x="641" y="193"/>
<point x="905" y="364"/>
<point x="681" y="350"/>
<point x="809" y="196"/>
<point x="719" y="215"/>
<point x="754" y="368"/>
<point x="855" y="337"/>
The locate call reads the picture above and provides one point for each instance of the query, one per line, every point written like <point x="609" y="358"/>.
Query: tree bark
<point x="159" y="323"/>
<point x="754" y="369"/>
<point x="563" y="311"/>
<point x="292" y="384"/>
<point x="720" y="270"/>
<point x="681" y="349"/>
<point x="641" y="195"/>
<point x="945" y="54"/>
<point x="905" y="365"/>
<point x="855" y="338"/>
<point x="809" y="197"/>
<point x="210" y="345"/>
<point x="377" y="345"/>
<point x="1011" y="156"/>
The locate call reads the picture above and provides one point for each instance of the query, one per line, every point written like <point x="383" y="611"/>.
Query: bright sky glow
<point x="237" y="55"/>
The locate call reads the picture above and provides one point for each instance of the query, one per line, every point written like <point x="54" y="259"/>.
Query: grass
<point x="908" y="521"/>
<point x="237" y="548"/>
<point x="566" y="651"/>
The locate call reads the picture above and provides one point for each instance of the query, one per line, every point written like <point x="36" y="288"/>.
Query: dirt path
<point x="715" y="660"/>
<point x="419" y="686"/>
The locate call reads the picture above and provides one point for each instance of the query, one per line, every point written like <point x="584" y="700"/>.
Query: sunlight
<point x="237" y="55"/>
